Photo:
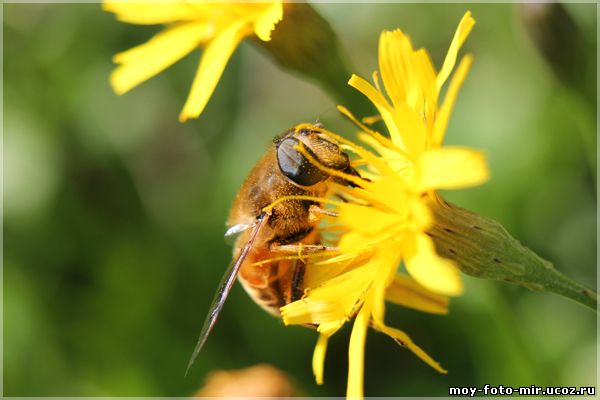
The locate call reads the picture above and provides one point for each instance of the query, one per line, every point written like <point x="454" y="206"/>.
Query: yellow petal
<point x="369" y="157"/>
<point x="146" y="60"/>
<point x="333" y="301"/>
<point x="394" y="49"/>
<point x="412" y="130"/>
<point x="318" y="361"/>
<point x="408" y="293"/>
<point x="356" y="353"/>
<point x="389" y="261"/>
<point x="367" y="220"/>
<point x="405" y="340"/>
<point x="371" y="194"/>
<point x="426" y="77"/>
<point x="156" y="12"/>
<point x="378" y="306"/>
<point x="353" y="242"/>
<point x="369" y="136"/>
<point x="211" y="67"/>
<point x="464" y="28"/>
<point x="408" y="75"/>
<point x="319" y="272"/>
<point x="370" y="120"/>
<point x="441" y="121"/>
<point x="420" y="214"/>
<point x="381" y="104"/>
<point x="390" y="194"/>
<point x="368" y="90"/>
<point x="265" y="23"/>
<point x="330" y="328"/>
<point x="427" y="268"/>
<point x="394" y="156"/>
<point x="375" y="144"/>
<point x="451" y="168"/>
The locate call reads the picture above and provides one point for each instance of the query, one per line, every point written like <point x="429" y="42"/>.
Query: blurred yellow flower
<point x="385" y="218"/>
<point x="218" y="27"/>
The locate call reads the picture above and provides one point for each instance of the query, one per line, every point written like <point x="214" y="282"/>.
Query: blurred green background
<point x="114" y="211"/>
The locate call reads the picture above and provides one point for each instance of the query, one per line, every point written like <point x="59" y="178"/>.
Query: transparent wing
<point x="233" y="232"/>
<point x="224" y="288"/>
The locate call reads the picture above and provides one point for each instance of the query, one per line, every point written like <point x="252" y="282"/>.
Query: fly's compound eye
<point x="295" y="166"/>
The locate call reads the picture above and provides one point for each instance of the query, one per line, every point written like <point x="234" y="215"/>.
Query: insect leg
<point x="301" y="248"/>
<point x="297" y="280"/>
<point x="316" y="212"/>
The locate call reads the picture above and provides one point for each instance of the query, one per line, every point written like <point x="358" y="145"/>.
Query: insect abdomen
<point x="274" y="284"/>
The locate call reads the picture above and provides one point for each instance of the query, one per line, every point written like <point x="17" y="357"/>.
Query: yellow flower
<point x="384" y="220"/>
<point x="218" y="27"/>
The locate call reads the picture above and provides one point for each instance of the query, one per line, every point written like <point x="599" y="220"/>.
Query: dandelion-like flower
<point x="218" y="27"/>
<point x="383" y="221"/>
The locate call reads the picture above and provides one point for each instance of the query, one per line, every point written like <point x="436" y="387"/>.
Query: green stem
<point x="481" y="247"/>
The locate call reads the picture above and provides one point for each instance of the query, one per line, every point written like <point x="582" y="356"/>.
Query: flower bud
<point x="305" y="43"/>
<point x="482" y="248"/>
